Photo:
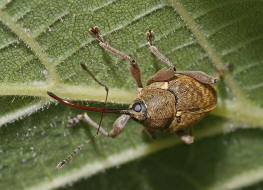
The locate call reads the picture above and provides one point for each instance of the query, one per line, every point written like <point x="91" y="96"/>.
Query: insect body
<point x="174" y="105"/>
<point x="172" y="101"/>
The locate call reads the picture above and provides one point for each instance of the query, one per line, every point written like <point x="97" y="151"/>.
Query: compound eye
<point x="137" y="107"/>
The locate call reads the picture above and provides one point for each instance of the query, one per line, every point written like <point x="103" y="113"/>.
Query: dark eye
<point x="137" y="107"/>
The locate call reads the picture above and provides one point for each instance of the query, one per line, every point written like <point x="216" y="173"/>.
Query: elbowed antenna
<point x="100" y="110"/>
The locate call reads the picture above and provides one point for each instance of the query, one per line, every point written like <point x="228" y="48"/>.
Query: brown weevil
<point x="172" y="100"/>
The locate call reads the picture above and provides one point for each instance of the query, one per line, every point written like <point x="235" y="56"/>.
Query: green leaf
<point x="42" y="44"/>
<point x="221" y="162"/>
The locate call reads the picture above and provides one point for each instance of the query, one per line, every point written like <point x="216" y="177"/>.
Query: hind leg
<point x="198" y="75"/>
<point x="205" y="78"/>
<point x="186" y="138"/>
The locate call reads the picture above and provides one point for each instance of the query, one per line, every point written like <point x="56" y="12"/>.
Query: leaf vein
<point x="121" y="158"/>
<point x="103" y="5"/>
<point x="242" y="44"/>
<point x="74" y="50"/>
<point x="240" y="98"/>
<point x="253" y="87"/>
<point x="20" y="15"/>
<point x="38" y="32"/>
<point x="8" y="43"/>
<point x="247" y="67"/>
<point x="28" y="39"/>
<point x="229" y="23"/>
<point x="22" y="112"/>
<point x="218" y="6"/>
<point x="2" y="6"/>
<point x="201" y="39"/>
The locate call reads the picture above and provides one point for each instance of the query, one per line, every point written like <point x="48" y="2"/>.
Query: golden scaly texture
<point x="184" y="102"/>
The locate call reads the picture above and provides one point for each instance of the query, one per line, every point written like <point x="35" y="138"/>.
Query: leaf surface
<point x="42" y="44"/>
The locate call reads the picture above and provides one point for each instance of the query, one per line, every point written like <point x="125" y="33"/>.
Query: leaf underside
<point x="43" y="42"/>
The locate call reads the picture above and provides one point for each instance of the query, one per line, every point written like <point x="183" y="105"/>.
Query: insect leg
<point x="155" y="51"/>
<point x="163" y="75"/>
<point x="82" y="116"/>
<point x="220" y="72"/>
<point x="75" y="120"/>
<point x="134" y="67"/>
<point x="101" y="84"/>
<point x="200" y="76"/>
<point x="188" y="139"/>
<point x="205" y="78"/>
<point x="118" y="126"/>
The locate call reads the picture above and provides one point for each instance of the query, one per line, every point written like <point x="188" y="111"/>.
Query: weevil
<point x="171" y="102"/>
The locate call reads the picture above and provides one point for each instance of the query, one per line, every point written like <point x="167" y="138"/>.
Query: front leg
<point x="118" y="126"/>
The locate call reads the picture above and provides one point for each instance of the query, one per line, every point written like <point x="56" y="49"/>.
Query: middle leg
<point x="156" y="52"/>
<point x="135" y="70"/>
<point x="164" y="74"/>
